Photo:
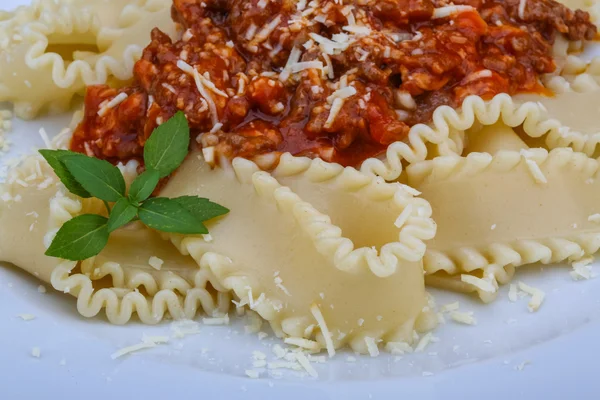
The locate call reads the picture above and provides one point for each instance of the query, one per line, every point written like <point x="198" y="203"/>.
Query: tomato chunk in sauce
<point x="340" y="80"/>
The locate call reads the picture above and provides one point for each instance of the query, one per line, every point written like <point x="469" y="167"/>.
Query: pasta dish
<point x="315" y="163"/>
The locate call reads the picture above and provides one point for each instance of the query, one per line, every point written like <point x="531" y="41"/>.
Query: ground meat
<point x="340" y="80"/>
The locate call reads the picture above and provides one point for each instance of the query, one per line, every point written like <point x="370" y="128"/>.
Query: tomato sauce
<point x="336" y="80"/>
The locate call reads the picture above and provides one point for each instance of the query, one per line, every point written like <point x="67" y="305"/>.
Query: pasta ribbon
<point x="51" y="51"/>
<point x="35" y="205"/>
<point x="283" y="256"/>
<point x="573" y="108"/>
<point x="507" y="207"/>
<point x="449" y="123"/>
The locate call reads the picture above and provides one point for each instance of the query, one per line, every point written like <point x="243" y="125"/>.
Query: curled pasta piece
<point x="506" y="207"/>
<point x="63" y="47"/>
<point x="294" y="265"/>
<point x="447" y="125"/>
<point x="573" y="107"/>
<point x="331" y="187"/>
<point x="120" y="280"/>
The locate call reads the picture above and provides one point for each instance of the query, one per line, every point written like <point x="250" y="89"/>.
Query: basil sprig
<point x="86" y="235"/>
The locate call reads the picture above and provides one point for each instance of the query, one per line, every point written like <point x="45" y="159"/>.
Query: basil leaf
<point x="102" y="179"/>
<point x="167" y="215"/>
<point x="202" y="209"/>
<point x="54" y="159"/>
<point x="80" y="238"/>
<point x="168" y="144"/>
<point x="122" y="212"/>
<point x="143" y="186"/>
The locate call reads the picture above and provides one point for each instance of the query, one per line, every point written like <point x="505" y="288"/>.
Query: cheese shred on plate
<point x="305" y="363"/>
<point x="537" y="296"/>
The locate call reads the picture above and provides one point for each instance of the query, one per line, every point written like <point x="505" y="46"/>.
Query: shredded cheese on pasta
<point x="316" y="312"/>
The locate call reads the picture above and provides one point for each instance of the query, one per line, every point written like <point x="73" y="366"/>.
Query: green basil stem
<point x="107" y="206"/>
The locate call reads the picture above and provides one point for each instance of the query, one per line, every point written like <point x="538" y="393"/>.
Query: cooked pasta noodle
<point x="498" y="232"/>
<point x="248" y="253"/>
<point x="33" y="213"/>
<point x="51" y="51"/>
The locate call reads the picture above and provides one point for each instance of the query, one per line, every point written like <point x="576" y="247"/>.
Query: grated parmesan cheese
<point x="594" y="218"/>
<point x="118" y="99"/>
<point x="155" y="263"/>
<point x="224" y="320"/>
<point x="336" y="107"/>
<point x="251" y="32"/>
<point x="292" y="59"/>
<point x="479" y="283"/>
<point x="36" y="352"/>
<point x="371" y="346"/>
<point x="329" y="46"/>
<point x="522" y="5"/>
<point x="423" y="342"/>
<point x="304" y="343"/>
<point x="443" y="12"/>
<point x="170" y="88"/>
<point x="316" y="312"/>
<point x="403" y="217"/>
<point x="582" y="269"/>
<point x="357" y="29"/>
<point x="342" y="93"/>
<point x="199" y="79"/>
<point x="398" y="347"/>
<point x="262" y="335"/>
<point x="329" y="66"/>
<point x="209" y="154"/>
<point x="450" y="307"/>
<point x="512" y="293"/>
<point x="466" y="318"/>
<point x="252" y="373"/>
<point x="305" y="363"/>
<point x="132" y="349"/>
<point x="184" y="328"/>
<point x="267" y="30"/>
<point x="216" y="127"/>
<point x="535" y="171"/>
<point x="484" y="73"/>
<point x="405" y="100"/>
<point x="304" y="65"/>
<point x="279" y="284"/>
<point x="521" y="366"/>
<point x="537" y="296"/>
<point x="187" y="35"/>
<point x="284" y="364"/>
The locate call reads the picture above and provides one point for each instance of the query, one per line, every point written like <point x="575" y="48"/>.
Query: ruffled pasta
<point x="120" y="280"/>
<point x="447" y="128"/>
<point x="506" y="207"/>
<point x="287" y="258"/>
<point x="51" y="51"/>
<point x="573" y="108"/>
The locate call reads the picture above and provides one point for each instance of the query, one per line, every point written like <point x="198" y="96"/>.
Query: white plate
<point x="511" y="353"/>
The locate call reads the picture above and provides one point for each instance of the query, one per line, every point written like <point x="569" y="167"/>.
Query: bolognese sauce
<point x="336" y="79"/>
